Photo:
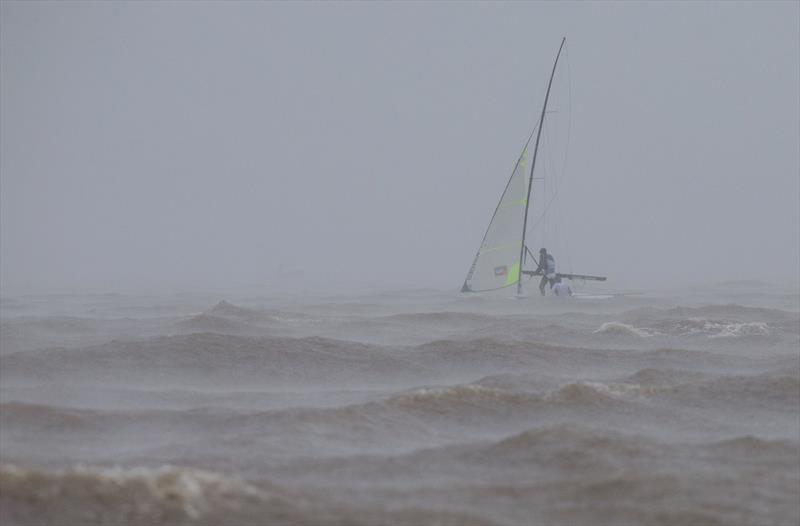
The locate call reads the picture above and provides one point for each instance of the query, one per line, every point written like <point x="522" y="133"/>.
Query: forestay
<point x="496" y="264"/>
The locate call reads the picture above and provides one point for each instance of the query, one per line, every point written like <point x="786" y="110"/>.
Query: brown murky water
<point x="421" y="407"/>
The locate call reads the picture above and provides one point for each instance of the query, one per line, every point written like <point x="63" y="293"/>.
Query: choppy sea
<point x="402" y="408"/>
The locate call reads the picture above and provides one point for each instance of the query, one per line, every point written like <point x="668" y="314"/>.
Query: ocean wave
<point x="773" y="391"/>
<point x="435" y="318"/>
<point x="715" y="321"/>
<point x="752" y="445"/>
<point x="531" y="382"/>
<point x="226" y="316"/>
<point x="164" y="495"/>
<point x="543" y="442"/>
<point x="57" y="324"/>
<point x="409" y="416"/>
<point x="487" y="351"/>
<point x="211" y="323"/>
<point x="616" y="328"/>
<point x="738" y="330"/>
<point x="591" y="394"/>
<point x="187" y="361"/>
<point x="171" y="495"/>
<point x="688" y="327"/>
<point x="18" y="415"/>
<point x="725" y="311"/>
<point x="220" y="358"/>
<point x="223" y="308"/>
<point x="268" y="318"/>
<point x="30" y="333"/>
<point x="456" y="402"/>
<point x="765" y="391"/>
<point x="656" y="377"/>
<point x="469" y="399"/>
<point x="713" y="328"/>
<point x="459" y="398"/>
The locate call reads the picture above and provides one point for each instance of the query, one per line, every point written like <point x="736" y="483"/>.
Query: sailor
<point x="561" y="289"/>
<point x="547" y="269"/>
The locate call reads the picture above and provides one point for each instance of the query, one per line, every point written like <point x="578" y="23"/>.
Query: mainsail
<point x="497" y="265"/>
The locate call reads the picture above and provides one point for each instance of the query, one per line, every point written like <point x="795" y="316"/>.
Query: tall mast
<point x="533" y="164"/>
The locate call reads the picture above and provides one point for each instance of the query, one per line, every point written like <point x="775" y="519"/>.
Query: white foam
<point x="616" y="328"/>
<point x="737" y="330"/>
<point x="193" y="491"/>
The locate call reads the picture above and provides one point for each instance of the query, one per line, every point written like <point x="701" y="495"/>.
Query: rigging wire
<point x="542" y="218"/>
<point x="564" y="168"/>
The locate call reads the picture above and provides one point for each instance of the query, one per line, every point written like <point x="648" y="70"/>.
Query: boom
<point x="567" y="276"/>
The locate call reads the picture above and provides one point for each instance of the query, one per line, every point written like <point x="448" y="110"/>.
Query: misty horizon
<point x="339" y="146"/>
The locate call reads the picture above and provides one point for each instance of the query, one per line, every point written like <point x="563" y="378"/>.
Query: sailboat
<point x="500" y="261"/>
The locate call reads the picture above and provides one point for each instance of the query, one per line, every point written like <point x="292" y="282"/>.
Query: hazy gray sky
<point x="195" y="145"/>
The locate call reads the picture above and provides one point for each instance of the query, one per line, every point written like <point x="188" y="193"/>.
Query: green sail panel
<point x="496" y="264"/>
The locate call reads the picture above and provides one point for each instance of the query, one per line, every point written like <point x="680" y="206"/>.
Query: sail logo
<point x="500" y="271"/>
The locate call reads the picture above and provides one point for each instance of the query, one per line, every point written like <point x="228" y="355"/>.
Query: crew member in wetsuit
<point x="547" y="269"/>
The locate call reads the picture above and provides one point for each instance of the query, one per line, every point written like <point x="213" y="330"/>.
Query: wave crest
<point x="616" y="328"/>
<point x="138" y="495"/>
<point x="449" y="399"/>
